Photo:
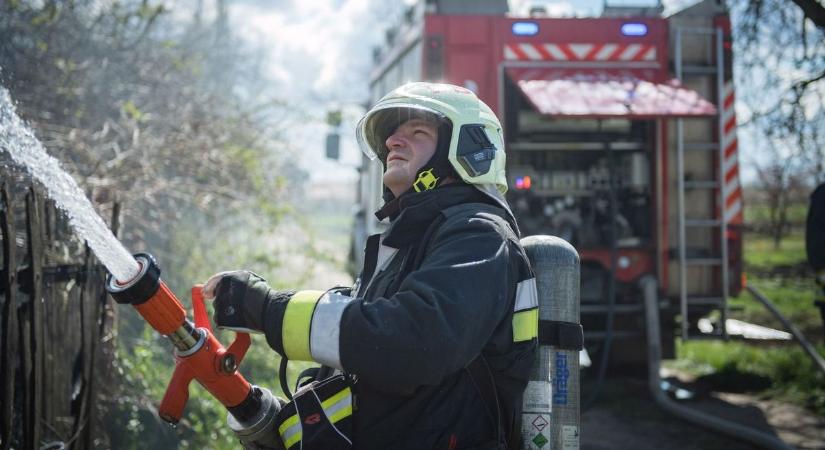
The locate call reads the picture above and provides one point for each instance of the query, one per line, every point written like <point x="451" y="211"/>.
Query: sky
<point x="320" y="57"/>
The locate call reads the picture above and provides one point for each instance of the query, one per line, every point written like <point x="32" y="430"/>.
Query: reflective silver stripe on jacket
<point x="325" y="332"/>
<point x="526" y="311"/>
<point x="527" y="296"/>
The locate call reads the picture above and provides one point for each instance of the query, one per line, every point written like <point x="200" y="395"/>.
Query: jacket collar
<point x="416" y="211"/>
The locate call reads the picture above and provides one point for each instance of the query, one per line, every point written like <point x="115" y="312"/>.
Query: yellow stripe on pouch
<point x="292" y="437"/>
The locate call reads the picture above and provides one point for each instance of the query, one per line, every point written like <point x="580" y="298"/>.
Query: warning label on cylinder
<point x="537" y="397"/>
<point x="535" y="430"/>
<point x="569" y="437"/>
<point x="535" y="420"/>
<point x="539" y="423"/>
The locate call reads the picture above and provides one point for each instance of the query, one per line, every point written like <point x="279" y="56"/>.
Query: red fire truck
<point x="621" y="138"/>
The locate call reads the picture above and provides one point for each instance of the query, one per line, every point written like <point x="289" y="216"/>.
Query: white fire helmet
<point x="476" y="147"/>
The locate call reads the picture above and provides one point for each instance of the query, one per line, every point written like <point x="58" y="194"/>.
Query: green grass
<point x="760" y="214"/>
<point x="784" y="372"/>
<point x="792" y="296"/>
<point x="760" y="255"/>
<point x="783" y="276"/>
<point x="780" y="371"/>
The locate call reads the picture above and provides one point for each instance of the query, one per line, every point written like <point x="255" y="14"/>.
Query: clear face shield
<point x="379" y="123"/>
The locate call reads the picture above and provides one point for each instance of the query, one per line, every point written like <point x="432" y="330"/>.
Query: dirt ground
<point x="625" y="417"/>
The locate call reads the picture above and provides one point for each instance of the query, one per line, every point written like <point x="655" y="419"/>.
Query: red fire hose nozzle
<point x="215" y="367"/>
<point x="199" y="355"/>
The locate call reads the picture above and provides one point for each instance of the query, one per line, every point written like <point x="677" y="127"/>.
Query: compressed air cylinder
<point x="551" y="406"/>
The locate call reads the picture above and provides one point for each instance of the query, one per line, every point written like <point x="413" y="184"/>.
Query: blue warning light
<point x="525" y="28"/>
<point x="634" y="29"/>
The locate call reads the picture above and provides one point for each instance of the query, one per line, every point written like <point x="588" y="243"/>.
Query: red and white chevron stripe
<point x="732" y="189"/>
<point x="525" y="51"/>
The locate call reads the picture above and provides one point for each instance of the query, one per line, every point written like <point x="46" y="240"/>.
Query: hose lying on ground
<point x="654" y="356"/>
<point x="809" y="349"/>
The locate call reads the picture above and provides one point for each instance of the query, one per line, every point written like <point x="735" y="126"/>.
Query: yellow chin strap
<point x="426" y="180"/>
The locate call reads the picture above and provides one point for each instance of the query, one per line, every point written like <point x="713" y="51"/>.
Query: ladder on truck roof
<point x="693" y="303"/>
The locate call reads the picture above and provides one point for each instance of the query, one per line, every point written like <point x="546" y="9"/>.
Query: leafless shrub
<point x="780" y="52"/>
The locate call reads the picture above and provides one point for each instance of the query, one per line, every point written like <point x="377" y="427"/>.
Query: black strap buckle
<point x="564" y="335"/>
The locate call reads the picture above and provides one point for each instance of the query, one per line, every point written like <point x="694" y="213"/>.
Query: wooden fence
<point x="55" y="326"/>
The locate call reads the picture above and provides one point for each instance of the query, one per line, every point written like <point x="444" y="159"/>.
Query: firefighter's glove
<point x="244" y="302"/>
<point x="241" y="300"/>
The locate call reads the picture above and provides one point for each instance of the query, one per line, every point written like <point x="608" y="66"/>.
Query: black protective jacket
<point x="407" y="337"/>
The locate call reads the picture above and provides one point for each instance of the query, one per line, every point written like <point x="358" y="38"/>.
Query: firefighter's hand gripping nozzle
<point x="200" y="356"/>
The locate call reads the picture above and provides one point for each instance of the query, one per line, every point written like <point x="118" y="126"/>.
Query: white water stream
<point x="19" y="142"/>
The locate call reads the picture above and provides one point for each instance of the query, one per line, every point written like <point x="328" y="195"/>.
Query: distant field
<point x="760" y="253"/>
<point x="760" y="214"/>
<point x="335" y="228"/>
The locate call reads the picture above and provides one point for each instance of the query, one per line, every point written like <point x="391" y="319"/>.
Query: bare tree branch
<point x="801" y="86"/>
<point x="780" y="80"/>
<point x="813" y="10"/>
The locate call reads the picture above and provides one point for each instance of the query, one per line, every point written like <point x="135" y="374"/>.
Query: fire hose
<point x="200" y="356"/>
<point x="654" y="358"/>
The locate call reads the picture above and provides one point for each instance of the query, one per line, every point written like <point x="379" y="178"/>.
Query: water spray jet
<point x="135" y="280"/>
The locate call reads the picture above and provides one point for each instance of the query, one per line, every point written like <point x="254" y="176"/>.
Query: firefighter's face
<point x="410" y="146"/>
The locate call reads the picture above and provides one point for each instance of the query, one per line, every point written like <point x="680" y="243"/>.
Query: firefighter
<point x="815" y="244"/>
<point x="439" y="331"/>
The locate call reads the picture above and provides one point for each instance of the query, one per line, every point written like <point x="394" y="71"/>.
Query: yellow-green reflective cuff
<point x="296" y="324"/>
<point x="525" y="325"/>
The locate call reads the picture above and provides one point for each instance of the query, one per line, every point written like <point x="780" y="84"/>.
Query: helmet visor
<point x="379" y="123"/>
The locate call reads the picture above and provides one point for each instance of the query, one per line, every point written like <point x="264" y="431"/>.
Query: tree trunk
<point x="781" y="221"/>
